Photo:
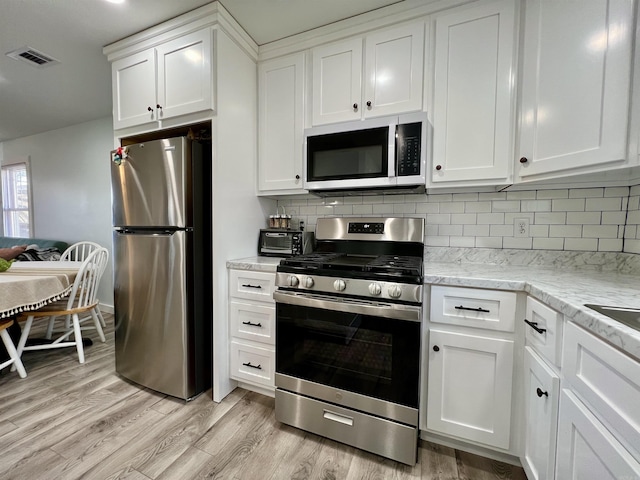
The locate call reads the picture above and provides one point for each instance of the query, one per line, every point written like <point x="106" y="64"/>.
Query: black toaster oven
<point x="284" y="243"/>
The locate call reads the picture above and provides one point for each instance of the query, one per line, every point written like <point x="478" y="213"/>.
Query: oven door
<point x="357" y="353"/>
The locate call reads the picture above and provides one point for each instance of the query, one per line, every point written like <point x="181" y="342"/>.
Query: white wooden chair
<point x="78" y="252"/>
<point x="14" y="358"/>
<point x="81" y="300"/>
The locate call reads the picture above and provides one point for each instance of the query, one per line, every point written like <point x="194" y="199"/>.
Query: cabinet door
<point x="185" y="75"/>
<point x="281" y="123"/>
<point x="337" y="82"/>
<point x="134" y="89"/>
<point x="473" y="109"/>
<point x="542" y="393"/>
<point x="586" y="449"/>
<point x="575" y="85"/>
<point x="469" y="387"/>
<point x="393" y="70"/>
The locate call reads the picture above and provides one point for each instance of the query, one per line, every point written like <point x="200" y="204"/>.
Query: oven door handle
<point x="396" y="311"/>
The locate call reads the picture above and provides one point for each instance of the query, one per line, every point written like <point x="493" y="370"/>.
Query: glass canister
<point x="274" y="222"/>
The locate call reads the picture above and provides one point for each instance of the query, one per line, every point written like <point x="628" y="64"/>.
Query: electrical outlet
<point x="521" y="227"/>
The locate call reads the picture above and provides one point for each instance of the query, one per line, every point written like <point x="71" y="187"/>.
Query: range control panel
<point x="362" y="227"/>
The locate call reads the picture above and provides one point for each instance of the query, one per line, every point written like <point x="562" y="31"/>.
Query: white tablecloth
<point x="31" y="285"/>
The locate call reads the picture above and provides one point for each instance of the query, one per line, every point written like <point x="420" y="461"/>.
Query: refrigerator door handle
<point x="162" y="232"/>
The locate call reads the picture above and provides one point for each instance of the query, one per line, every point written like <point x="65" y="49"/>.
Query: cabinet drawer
<point x="252" y="364"/>
<point x="608" y="381"/>
<point x="251" y="285"/>
<point x="549" y="341"/>
<point x="470" y="307"/>
<point x="253" y="322"/>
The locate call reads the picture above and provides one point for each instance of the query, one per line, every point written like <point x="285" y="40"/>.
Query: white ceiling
<point x="78" y="89"/>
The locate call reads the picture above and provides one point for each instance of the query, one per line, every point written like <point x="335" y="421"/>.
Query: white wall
<point x="70" y="185"/>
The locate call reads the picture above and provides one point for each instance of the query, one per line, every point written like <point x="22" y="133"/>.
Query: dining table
<point x="28" y="286"/>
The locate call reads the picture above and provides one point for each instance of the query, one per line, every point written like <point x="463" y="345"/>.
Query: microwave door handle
<point x="391" y="163"/>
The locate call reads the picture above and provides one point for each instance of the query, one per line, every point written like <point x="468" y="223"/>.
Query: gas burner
<point x="395" y="264"/>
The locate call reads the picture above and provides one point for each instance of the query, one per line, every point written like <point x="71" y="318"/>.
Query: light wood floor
<point x="71" y="421"/>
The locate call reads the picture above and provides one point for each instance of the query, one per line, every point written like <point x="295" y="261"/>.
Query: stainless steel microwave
<point x="379" y="153"/>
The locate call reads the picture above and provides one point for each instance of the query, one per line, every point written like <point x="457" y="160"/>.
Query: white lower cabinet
<point x="252" y="328"/>
<point x="469" y="387"/>
<point x="542" y="392"/>
<point x="588" y="450"/>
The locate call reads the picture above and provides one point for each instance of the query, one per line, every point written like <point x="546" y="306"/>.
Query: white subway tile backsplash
<point x="452" y="207"/>
<point x="382" y="208"/>
<point x="476" y="230"/>
<point x="488" y="242"/>
<point x="505" y="206"/>
<point x="565" y="231"/>
<point x="568" y="205"/>
<point x="539" y="230"/>
<point x="600" y="231"/>
<point x="522" y="195"/>
<point x="610" y="244"/>
<point x="585" y="219"/>
<point x="603" y="204"/>
<point x="466" y="242"/>
<point x="450" y="230"/>
<point x="586" y="192"/>
<point x="477" y="207"/>
<point x="548" y="243"/>
<point x="465" y="197"/>
<point x="427" y="208"/>
<point x="585" y="244"/>
<point x="535" y="205"/>
<point x="490" y="218"/>
<point x="550" y="218"/>
<point x="616" y="192"/>
<point x="552" y="194"/>
<point x="501" y="230"/>
<point x="463" y="218"/>
<point x="439" y="218"/>
<point x="525" y="243"/>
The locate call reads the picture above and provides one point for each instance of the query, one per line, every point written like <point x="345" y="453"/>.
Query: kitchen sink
<point x="628" y="316"/>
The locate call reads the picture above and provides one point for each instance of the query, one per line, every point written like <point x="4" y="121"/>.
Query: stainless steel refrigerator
<point x="162" y="264"/>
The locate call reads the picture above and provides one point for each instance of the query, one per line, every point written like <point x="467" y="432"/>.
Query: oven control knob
<point x="375" y="289"/>
<point x="292" y="281"/>
<point x="307" y="282"/>
<point x="339" y="285"/>
<point x="394" y="291"/>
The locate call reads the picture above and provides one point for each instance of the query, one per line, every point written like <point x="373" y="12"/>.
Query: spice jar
<point x="272" y="222"/>
<point x="285" y="221"/>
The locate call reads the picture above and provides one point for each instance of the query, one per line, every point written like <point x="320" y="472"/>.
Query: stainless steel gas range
<point x="348" y="331"/>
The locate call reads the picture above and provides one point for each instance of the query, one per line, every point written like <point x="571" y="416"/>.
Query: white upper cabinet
<point x="380" y="74"/>
<point x="134" y="102"/>
<point x="171" y="79"/>
<point x="575" y="87"/>
<point x="337" y="82"/>
<point x="281" y="124"/>
<point x="185" y="75"/>
<point x="474" y="98"/>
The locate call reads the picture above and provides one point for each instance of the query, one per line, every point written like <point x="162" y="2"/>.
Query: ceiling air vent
<point x="32" y="57"/>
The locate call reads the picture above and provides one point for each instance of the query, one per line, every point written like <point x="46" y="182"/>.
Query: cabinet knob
<point x="297" y="177"/>
<point x="524" y="159"/>
<point x="369" y="104"/>
<point x="159" y="106"/>
<point x="149" y="109"/>
<point x="436" y="348"/>
<point x="355" y="106"/>
<point x="540" y="393"/>
<point x="438" y="167"/>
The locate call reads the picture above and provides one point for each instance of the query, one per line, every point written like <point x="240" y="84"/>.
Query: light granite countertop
<point x="564" y="289"/>
<point x="257" y="264"/>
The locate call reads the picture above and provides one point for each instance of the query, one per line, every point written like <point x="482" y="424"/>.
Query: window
<point x="16" y="205"/>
